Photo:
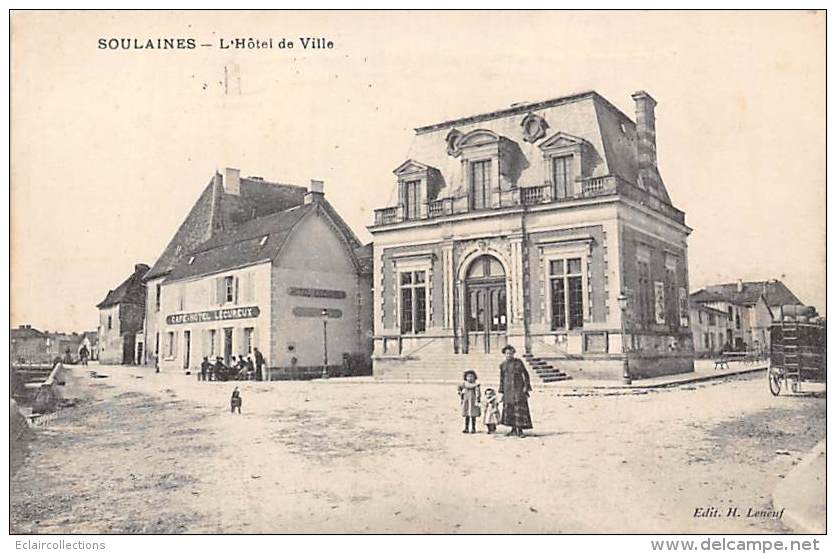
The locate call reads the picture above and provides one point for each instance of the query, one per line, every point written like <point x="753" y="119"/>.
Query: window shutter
<point x="235" y="296"/>
<point x="250" y="286"/>
<point x="221" y="293"/>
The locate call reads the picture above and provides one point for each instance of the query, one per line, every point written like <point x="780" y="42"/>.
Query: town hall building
<point x="546" y="226"/>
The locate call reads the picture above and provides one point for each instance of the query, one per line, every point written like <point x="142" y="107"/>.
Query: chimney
<point x="141" y="267"/>
<point x="232" y="181"/>
<point x="316" y="191"/>
<point x="646" y="130"/>
<point x="740" y="285"/>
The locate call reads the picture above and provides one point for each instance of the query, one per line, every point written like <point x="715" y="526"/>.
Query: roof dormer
<point x="418" y="184"/>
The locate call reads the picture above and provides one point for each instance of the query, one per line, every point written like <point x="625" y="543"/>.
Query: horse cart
<point x="797" y="350"/>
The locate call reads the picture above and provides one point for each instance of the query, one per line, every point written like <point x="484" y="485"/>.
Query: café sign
<point x="222" y="314"/>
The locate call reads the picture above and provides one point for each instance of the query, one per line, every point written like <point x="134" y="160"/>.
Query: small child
<point x="492" y="417"/>
<point x="470" y="397"/>
<point x="235" y="401"/>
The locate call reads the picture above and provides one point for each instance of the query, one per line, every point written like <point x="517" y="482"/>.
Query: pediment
<point x="561" y="140"/>
<point x="410" y="166"/>
<point x="478" y="137"/>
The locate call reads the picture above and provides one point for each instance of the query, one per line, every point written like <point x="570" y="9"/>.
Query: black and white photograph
<point x="418" y="272"/>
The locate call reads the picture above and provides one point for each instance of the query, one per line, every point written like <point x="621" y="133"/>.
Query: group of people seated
<point x="239" y="369"/>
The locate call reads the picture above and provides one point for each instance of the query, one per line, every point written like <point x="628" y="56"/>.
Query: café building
<point x="294" y="283"/>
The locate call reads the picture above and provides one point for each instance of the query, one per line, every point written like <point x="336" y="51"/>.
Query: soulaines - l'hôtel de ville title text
<point x="230" y="43"/>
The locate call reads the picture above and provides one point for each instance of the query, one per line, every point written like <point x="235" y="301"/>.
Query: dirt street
<point x="155" y="453"/>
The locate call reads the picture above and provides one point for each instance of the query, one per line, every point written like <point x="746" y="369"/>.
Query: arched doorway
<point x="486" y="321"/>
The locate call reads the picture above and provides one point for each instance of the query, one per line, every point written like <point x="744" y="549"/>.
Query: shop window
<point x="413" y="302"/>
<point x="566" y="281"/>
<point x="248" y="340"/>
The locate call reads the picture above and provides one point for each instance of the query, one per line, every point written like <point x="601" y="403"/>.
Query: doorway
<point x="486" y="310"/>
<point x="187" y="349"/>
<point x="227" y="345"/>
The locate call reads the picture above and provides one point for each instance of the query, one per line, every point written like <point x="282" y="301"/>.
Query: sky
<point x="110" y="148"/>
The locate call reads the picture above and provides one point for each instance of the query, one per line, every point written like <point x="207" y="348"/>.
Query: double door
<point x="487" y="321"/>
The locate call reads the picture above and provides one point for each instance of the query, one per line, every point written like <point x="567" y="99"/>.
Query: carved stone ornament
<point x="534" y="127"/>
<point x="453" y="139"/>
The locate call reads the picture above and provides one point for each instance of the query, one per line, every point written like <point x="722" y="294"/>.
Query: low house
<point x="121" y="316"/>
<point x="28" y="345"/>
<point x="750" y="307"/>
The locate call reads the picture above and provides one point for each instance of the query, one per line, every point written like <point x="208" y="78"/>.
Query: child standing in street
<point x="492" y="415"/>
<point x="470" y="397"/>
<point x="235" y="401"/>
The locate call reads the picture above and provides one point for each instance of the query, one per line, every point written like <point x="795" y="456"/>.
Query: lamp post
<point x="623" y="300"/>
<point x="324" y="343"/>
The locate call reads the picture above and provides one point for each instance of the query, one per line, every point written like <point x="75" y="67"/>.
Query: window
<point x="109" y="322"/>
<point x="562" y="176"/>
<point x="248" y="340"/>
<point x="191" y="260"/>
<point x="731" y="316"/>
<point x="566" y="293"/>
<point x="671" y="296"/>
<point x="480" y="184"/>
<point x="229" y="289"/>
<point x="737" y="319"/>
<point x="212" y="339"/>
<point x="172" y="344"/>
<point x="263" y="240"/>
<point x="712" y="319"/>
<point x="412" y="199"/>
<point x="644" y="306"/>
<point x="413" y="302"/>
<point x="159" y="290"/>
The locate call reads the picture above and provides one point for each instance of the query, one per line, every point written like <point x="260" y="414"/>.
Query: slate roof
<point x="703" y="295"/>
<point x="130" y="291"/>
<point x="774" y="291"/>
<point x="26" y="333"/>
<point x="242" y="245"/>
<point x="216" y="211"/>
<point x="609" y="133"/>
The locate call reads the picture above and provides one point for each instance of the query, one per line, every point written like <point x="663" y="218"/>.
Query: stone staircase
<point x="545" y="370"/>
<point x="445" y="367"/>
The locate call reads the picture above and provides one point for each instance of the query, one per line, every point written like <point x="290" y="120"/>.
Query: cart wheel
<point x="774" y="382"/>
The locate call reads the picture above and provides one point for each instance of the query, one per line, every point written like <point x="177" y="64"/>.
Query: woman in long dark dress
<point x="514" y="386"/>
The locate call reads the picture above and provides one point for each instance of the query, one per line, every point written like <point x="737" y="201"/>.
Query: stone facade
<point x="524" y="227"/>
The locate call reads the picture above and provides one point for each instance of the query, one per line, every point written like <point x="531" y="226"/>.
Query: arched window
<point x="485" y="267"/>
